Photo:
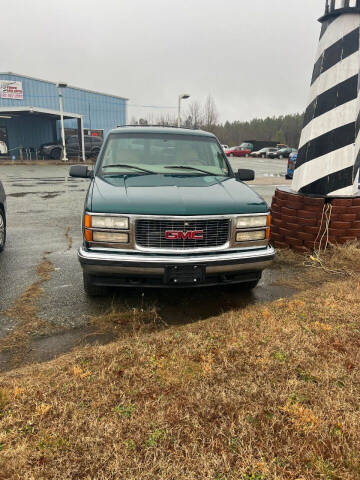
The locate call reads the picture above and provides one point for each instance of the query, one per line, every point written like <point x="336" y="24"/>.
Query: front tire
<point x="95" y="152"/>
<point x="2" y="231"/>
<point x="92" y="290"/>
<point x="56" y="154"/>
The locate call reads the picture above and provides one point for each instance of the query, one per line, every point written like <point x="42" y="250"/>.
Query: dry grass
<point x="269" y="392"/>
<point x="25" y="312"/>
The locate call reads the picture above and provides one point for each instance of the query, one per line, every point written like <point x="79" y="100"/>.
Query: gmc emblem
<point x="178" y="235"/>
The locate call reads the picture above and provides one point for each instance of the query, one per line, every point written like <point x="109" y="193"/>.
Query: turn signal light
<point x="268" y="230"/>
<point x="87" y="221"/>
<point x="88" y="235"/>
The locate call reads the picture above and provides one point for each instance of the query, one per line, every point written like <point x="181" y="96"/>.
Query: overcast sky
<point x="254" y="57"/>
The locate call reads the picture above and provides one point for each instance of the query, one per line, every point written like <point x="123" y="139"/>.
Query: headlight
<point x="252" y="222"/>
<point x="251" y="236"/>
<point x="111" y="237"/>
<point x="120" y="223"/>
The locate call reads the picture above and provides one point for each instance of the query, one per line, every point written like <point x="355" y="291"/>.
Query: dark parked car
<point x="73" y="148"/>
<point x="165" y="209"/>
<point x="2" y="217"/>
<point x="284" y="152"/>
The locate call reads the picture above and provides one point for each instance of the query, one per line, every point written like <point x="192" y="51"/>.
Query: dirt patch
<point x="68" y="238"/>
<point x="25" y="312"/>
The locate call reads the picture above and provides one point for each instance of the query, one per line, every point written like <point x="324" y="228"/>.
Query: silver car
<point x="2" y="217"/>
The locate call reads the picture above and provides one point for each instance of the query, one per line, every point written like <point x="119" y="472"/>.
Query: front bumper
<point x="125" y="269"/>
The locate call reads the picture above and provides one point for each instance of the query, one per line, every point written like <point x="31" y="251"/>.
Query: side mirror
<point x="245" y="175"/>
<point x="80" y="171"/>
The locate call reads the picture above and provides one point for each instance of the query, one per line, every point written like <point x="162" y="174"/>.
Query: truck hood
<point x="173" y="195"/>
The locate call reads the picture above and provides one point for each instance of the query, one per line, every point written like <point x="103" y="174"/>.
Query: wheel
<point x="56" y="153"/>
<point x="92" y="290"/>
<point x="95" y="153"/>
<point x="2" y="231"/>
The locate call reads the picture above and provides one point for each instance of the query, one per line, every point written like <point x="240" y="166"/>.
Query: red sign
<point x="178" y="235"/>
<point x="11" y="90"/>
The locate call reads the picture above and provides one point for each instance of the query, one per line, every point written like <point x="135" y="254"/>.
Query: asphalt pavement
<point x="44" y="220"/>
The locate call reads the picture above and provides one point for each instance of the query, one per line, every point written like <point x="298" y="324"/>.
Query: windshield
<point x="159" y="153"/>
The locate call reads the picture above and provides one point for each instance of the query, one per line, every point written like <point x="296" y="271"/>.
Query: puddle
<point x="44" y="349"/>
<point x="20" y="185"/>
<point x="30" y="212"/>
<point x="48" y="195"/>
<point x="50" y="183"/>
<point x="21" y="194"/>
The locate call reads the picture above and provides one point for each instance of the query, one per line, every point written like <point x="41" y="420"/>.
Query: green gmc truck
<point x="165" y="209"/>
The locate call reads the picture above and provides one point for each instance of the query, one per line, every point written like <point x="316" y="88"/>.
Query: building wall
<point x="28" y="132"/>
<point x="99" y="111"/>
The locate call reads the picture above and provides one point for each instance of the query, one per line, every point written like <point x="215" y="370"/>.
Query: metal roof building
<point x="29" y="111"/>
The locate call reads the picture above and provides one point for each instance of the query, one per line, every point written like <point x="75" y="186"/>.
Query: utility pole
<point x="61" y="105"/>
<point x="184" y="96"/>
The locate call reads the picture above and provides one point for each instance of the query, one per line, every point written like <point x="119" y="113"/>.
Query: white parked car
<point x="3" y="148"/>
<point x="264" y="152"/>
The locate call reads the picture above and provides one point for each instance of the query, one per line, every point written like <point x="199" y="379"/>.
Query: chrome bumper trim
<point x="252" y="257"/>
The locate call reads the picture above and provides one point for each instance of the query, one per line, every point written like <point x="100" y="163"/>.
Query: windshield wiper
<point x="128" y="166"/>
<point x="181" y="167"/>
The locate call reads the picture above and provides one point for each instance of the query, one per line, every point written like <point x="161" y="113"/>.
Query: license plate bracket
<point x="184" y="274"/>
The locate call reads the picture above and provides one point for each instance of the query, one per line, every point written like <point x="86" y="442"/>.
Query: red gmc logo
<point x="178" y="235"/>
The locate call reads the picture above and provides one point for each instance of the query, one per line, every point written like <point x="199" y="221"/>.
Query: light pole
<point x="184" y="96"/>
<point x="60" y="86"/>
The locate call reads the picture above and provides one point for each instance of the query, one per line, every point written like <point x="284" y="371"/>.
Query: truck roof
<point x="159" y="129"/>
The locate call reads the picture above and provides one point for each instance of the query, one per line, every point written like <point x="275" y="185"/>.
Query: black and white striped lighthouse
<point x="322" y="207"/>
<point x="329" y="159"/>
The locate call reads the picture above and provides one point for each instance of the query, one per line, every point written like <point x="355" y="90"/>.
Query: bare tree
<point x="167" y="119"/>
<point x="211" y="115"/>
<point x="195" y="115"/>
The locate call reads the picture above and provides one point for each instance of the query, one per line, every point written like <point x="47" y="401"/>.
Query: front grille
<point x="152" y="233"/>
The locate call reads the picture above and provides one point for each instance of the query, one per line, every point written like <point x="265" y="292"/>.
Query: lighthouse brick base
<point x="300" y="222"/>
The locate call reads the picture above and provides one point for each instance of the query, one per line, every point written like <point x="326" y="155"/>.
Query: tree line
<point x="284" y="129"/>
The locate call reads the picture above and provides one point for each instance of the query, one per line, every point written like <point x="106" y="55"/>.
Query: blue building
<point x="30" y="114"/>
